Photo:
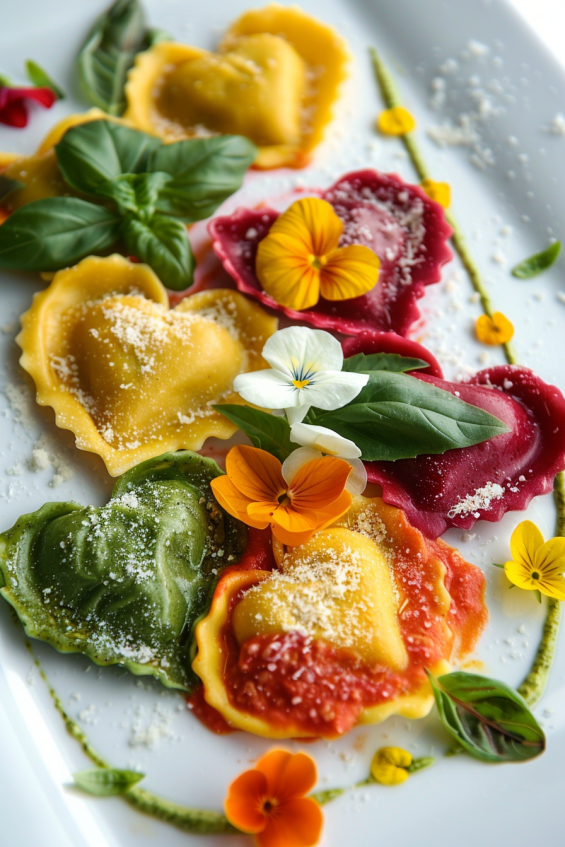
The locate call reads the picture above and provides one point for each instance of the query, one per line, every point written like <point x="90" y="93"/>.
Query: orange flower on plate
<point x="255" y="490"/>
<point x="300" y="260"/>
<point x="269" y="801"/>
<point x="495" y="330"/>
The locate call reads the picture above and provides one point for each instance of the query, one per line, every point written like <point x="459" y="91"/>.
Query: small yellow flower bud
<point x="438" y="191"/>
<point x="397" y="121"/>
<point x="389" y="765"/>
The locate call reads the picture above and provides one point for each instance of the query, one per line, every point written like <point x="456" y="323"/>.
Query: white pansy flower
<point x="305" y="371"/>
<point x="342" y="448"/>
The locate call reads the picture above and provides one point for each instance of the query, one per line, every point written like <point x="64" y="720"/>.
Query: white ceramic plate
<point x="508" y="209"/>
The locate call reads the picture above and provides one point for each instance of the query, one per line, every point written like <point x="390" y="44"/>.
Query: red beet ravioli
<point x="489" y="479"/>
<point x="406" y="230"/>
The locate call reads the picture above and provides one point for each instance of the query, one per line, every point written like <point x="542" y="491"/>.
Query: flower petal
<point x="243" y="805"/>
<point x="297" y="459"/>
<point x="323" y="439"/>
<point x="270" y="389"/>
<point x="349" y="272"/>
<point x="286" y="273"/>
<point x="298" y="824"/>
<point x="395" y="121"/>
<point x="292" y="520"/>
<point x="524" y="542"/>
<point x="357" y="479"/>
<point x="318" y="483"/>
<point x="291" y="539"/>
<point x="314" y="222"/>
<point x="298" y="348"/>
<point x="289" y="775"/>
<point x="297" y="414"/>
<point x="256" y="473"/>
<point x="550" y="557"/>
<point x="520" y="574"/>
<point x="234" y="502"/>
<point x="330" y="514"/>
<point x="334" y="389"/>
<point x="495" y="330"/>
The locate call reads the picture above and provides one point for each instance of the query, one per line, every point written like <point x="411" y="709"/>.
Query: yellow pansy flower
<point x="389" y="765"/>
<point x="396" y="121"/>
<point x="299" y="260"/>
<point x="536" y="565"/>
<point x="438" y="191"/>
<point x="495" y="330"/>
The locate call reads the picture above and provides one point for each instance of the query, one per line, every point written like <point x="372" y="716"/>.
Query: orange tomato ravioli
<point x="341" y="633"/>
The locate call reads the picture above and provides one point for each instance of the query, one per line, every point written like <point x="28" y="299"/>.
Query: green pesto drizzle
<point x="533" y="685"/>
<point x="392" y="99"/>
<point x="199" y="821"/>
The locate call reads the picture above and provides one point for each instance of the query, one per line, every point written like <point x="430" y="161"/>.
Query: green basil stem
<point x="392" y="99"/>
<point x="198" y="821"/>
<point x="329" y="794"/>
<point x="533" y="685"/>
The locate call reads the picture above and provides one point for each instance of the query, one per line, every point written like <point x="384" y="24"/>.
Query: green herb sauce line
<point x="392" y="99"/>
<point x="198" y="821"/>
<point x="533" y="685"/>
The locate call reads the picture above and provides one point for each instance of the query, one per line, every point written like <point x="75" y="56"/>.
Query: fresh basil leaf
<point x="163" y="244"/>
<point x="107" y="782"/>
<point x="396" y="416"/>
<point x="125" y="583"/>
<point x="42" y="80"/>
<point x="7" y="185"/>
<point x="364" y="363"/>
<point x="98" y="152"/>
<point x="490" y="720"/>
<point x="135" y="193"/>
<point x="56" y="232"/>
<point x="538" y="263"/>
<point x="269" y="432"/>
<point x="109" y="52"/>
<point x="205" y="172"/>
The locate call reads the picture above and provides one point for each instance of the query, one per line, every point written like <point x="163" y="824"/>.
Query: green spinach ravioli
<point x="125" y="583"/>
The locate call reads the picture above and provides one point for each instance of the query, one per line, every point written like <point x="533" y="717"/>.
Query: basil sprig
<point x="41" y="79"/>
<point x="107" y="782"/>
<point x="365" y="363"/>
<point x="143" y="192"/>
<point x="396" y="416"/>
<point x="537" y="263"/>
<point x="491" y="721"/>
<point x="109" y="52"/>
<point x="269" y="432"/>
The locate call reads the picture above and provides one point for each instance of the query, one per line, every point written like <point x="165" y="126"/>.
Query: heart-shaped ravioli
<point x="124" y="583"/>
<point x="274" y="80"/>
<point x="130" y="377"/>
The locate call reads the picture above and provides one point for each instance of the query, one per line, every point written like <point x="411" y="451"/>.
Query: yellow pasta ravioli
<point x="128" y="376"/>
<point x="274" y="79"/>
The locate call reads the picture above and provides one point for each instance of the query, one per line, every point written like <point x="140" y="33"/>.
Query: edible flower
<point x="495" y="330"/>
<point x="13" y="106"/>
<point x="536" y="565"/>
<point x="396" y="121"/>
<point x="269" y="801"/>
<point x="438" y="191"/>
<point x="300" y="260"/>
<point x="257" y="490"/>
<point x="316" y="440"/>
<point x="305" y="371"/>
<point x="389" y="765"/>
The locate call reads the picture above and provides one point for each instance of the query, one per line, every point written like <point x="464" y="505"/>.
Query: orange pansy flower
<point x="269" y="801"/>
<point x="495" y="330"/>
<point x="300" y="260"/>
<point x="255" y="491"/>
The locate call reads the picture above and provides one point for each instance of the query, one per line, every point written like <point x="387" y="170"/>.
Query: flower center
<point x="535" y="575"/>
<point x="300" y="383"/>
<point x="317" y="262"/>
<point x="269" y="805"/>
<point x="284" y="499"/>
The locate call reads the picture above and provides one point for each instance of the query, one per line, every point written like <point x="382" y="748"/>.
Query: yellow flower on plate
<point x="536" y="565"/>
<point x="300" y="260"/>
<point x="438" y="191"/>
<point x="495" y="330"/>
<point x="389" y="765"/>
<point x="396" y="121"/>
